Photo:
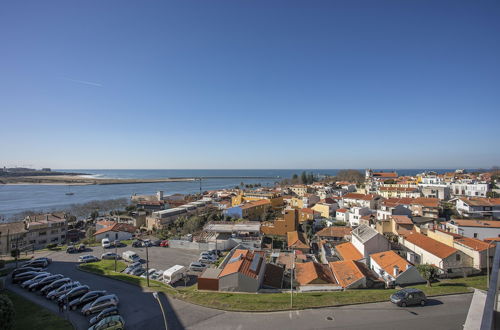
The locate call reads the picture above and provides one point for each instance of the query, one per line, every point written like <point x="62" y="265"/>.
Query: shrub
<point x="7" y="313"/>
<point x="51" y="245"/>
<point x="2" y="264"/>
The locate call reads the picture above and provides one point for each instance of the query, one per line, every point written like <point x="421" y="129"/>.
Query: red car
<point x="164" y="243"/>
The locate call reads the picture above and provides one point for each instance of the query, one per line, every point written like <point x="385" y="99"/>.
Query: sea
<point x="44" y="198"/>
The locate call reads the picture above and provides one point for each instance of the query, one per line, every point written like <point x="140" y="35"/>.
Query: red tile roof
<point x="296" y="240"/>
<point x="307" y="272"/>
<point x="388" y="259"/>
<point x="259" y="202"/>
<point x="430" y="245"/>
<point x="402" y="220"/>
<point x="241" y="264"/>
<point x="117" y="227"/>
<point x="479" y="201"/>
<point x="348" y="251"/>
<point x="476" y="223"/>
<point x="367" y="197"/>
<point x="472" y="243"/>
<point x="335" y="231"/>
<point x="346" y="272"/>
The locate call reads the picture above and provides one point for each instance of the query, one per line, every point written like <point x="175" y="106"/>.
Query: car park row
<point x="70" y="294"/>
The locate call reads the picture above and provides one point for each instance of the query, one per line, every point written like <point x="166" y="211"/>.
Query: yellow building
<point x="325" y="210"/>
<point x="275" y="199"/>
<point x="299" y="190"/>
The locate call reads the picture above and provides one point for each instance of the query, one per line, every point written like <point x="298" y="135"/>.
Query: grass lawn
<point x="32" y="316"/>
<point x="281" y="301"/>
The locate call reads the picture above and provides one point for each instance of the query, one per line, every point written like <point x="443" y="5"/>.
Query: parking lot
<point x="159" y="257"/>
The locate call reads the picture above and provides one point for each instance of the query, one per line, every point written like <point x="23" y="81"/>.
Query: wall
<point x="112" y="235"/>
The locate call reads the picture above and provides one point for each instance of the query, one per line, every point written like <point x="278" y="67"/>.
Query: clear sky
<point x="250" y="84"/>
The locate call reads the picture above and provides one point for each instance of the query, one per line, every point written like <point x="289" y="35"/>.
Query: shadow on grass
<point x="451" y="284"/>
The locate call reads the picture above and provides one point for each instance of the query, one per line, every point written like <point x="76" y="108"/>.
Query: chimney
<point x="396" y="271"/>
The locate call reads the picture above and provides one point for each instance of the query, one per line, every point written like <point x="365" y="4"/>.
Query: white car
<point x="87" y="258"/>
<point x="207" y="260"/>
<point x="105" y="243"/>
<point x="156" y="276"/>
<point x="197" y="266"/>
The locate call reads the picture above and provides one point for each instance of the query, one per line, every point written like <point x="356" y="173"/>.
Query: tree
<point x="492" y="194"/>
<point x="428" y="272"/>
<point x="303" y="177"/>
<point x="7" y="313"/>
<point x="89" y="234"/>
<point x="94" y="214"/>
<point x="350" y="175"/>
<point x="295" y="177"/>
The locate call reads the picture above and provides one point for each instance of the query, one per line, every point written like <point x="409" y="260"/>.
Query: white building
<point x="394" y="269"/>
<point x="471" y="189"/>
<point x="478" y="207"/>
<point x="368" y="241"/>
<point x="118" y="231"/>
<point x="480" y="229"/>
<point x="356" y="213"/>
<point x="426" y="250"/>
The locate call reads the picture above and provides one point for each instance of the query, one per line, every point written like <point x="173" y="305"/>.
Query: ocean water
<point x="19" y="198"/>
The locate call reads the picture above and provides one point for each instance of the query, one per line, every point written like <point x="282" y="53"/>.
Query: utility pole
<point x="147" y="265"/>
<point x="291" y="280"/>
<point x="116" y="254"/>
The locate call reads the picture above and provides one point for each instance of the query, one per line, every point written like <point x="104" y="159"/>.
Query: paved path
<point x="141" y="311"/>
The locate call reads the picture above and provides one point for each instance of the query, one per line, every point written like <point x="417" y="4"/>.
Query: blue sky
<point x="250" y="84"/>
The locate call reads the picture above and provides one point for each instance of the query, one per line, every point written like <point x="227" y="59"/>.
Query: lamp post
<point x="488" y="265"/>
<point x="157" y="297"/>
<point x="147" y="265"/>
<point x="116" y="253"/>
<point x="291" y="280"/>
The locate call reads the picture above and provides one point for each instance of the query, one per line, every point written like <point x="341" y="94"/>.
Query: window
<point x="475" y="235"/>
<point x="42" y="233"/>
<point x="458" y="257"/>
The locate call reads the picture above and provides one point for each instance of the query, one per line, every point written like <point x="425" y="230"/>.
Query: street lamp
<point x="488" y="265"/>
<point x="147" y="265"/>
<point x="157" y="297"/>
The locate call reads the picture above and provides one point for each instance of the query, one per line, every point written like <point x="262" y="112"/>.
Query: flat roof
<point x="229" y="227"/>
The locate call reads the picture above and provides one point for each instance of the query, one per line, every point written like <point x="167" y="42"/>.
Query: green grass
<point x="281" y="301"/>
<point x="32" y="316"/>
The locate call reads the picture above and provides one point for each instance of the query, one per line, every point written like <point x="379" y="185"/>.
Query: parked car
<point x="130" y="256"/>
<point x="39" y="263"/>
<point x="137" y="271"/>
<point x="208" y="254"/>
<point x="408" y="297"/>
<point x="54" y="285"/>
<point x="147" y="243"/>
<point x="156" y="242"/>
<point x="100" y="304"/>
<point x="197" y="266"/>
<point x="105" y="313"/>
<point x="164" y="243"/>
<point x="87" y="258"/>
<point x="24" y="270"/>
<point x="21" y="277"/>
<point x="132" y="267"/>
<point x="156" y="276"/>
<point x="85" y="299"/>
<point x="216" y="253"/>
<point x="82" y="248"/>
<point x="71" y="249"/>
<point x="150" y="272"/>
<point x="56" y="293"/>
<point x="207" y="260"/>
<point x="45" y="281"/>
<point x="74" y="293"/>
<point x="105" y="243"/>
<point x="137" y="243"/>
<point x="35" y="279"/>
<point x="110" y="256"/>
<point x="114" y="322"/>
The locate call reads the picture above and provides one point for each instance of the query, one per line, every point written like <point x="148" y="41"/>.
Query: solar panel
<point x="255" y="262"/>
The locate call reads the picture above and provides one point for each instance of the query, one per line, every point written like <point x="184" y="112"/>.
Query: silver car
<point x="54" y="294"/>
<point x="100" y="304"/>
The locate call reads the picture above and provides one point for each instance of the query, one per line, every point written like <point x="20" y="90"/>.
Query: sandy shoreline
<point x="70" y="180"/>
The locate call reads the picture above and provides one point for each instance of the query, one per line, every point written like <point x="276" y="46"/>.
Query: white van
<point x="173" y="274"/>
<point x="130" y="256"/>
<point x="105" y="243"/>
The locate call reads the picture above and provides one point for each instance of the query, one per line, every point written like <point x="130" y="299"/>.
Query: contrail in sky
<point x="89" y="83"/>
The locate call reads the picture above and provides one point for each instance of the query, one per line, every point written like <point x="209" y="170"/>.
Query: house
<point x="313" y="276"/>
<point x="44" y="229"/>
<point x="308" y="214"/>
<point x="392" y="206"/>
<point x="426" y="250"/>
<point x="394" y="269"/>
<point x="342" y="215"/>
<point x="368" y="241"/>
<point x="469" y="189"/>
<point x="474" y="248"/>
<point x="299" y="190"/>
<point x="159" y="219"/>
<point x="442" y="192"/>
<point x="13" y="236"/>
<point x="326" y="209"/>
<point x="273" y="277"/>
<point x="475" y="207"/>
<point x="254" y="210"/>
<point x="422" y="207"/>
<point x="479" y="229"/>
<point x="347" y="251"/>
<point x="349" y="274"/>
<point x="297" y="241"/>
<point x="355" y="199"/>
<point x="335" y="234"/>
<point x="117" y="231"/>
<point x="242" y="271"/>
<point x="399" y="192"/>
<point x="281" y="226"/>
<point x="396" y="224"/>
<point x="355" y="214"/>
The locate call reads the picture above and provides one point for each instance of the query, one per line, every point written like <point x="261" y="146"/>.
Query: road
<point x="141" y="311"/>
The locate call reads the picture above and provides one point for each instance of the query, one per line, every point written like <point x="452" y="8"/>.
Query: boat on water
<point x="69" y="193"/>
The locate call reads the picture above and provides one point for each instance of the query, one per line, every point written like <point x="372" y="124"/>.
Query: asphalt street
<point x="141" y="311"/>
